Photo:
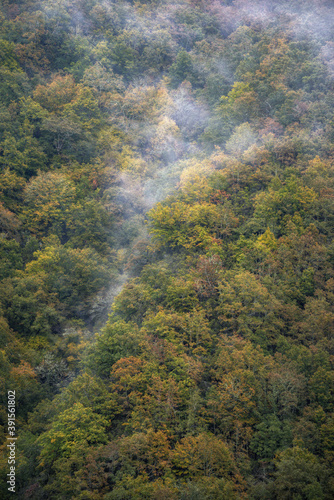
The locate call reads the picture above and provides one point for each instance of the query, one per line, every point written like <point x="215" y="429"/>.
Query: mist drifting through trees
<point x="166" y="250"/>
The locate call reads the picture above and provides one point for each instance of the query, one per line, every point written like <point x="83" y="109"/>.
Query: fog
<point x="166" y="133"/>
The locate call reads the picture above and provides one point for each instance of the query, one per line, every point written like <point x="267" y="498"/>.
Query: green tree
<point x="300" y="475"/>
<point x="49" y="198"/>
<point x="76" y="427"/>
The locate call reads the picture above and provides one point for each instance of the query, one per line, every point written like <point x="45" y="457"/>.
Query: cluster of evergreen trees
<point x="186" y="148"/>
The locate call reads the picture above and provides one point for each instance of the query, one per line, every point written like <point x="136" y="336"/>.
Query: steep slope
<point x="176" y="159"/>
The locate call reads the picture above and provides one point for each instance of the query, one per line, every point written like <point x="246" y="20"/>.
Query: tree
<point x="71" y="275"/>
<point x="182" y="69"/>
<point x="300" y="475"/>
<point x="181" y="226"/>
<point x="203" y="459"/>
<point x="49" y="198"/>
<point x="76" y="427"/>
<point x="270" y="436"/>
<point x="10" y="257"/>
<point x="54" y="96"/>
<point x="247" y="308"/>
<point x="117" y="340"/>
<point x="282" y="202"/>
<point x="24" y="156"/>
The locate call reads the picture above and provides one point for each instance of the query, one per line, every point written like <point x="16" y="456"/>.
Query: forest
<point x="166" y="249"/>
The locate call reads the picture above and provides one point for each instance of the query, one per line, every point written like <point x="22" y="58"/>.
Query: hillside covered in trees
<point x="169" y="163"/>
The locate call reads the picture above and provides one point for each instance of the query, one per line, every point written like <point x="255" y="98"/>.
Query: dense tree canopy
<point x="170" y="163"/>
